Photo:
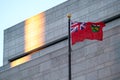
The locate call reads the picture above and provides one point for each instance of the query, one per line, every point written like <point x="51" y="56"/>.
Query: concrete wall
<point x="13" y="41"/>
<point x="91" y="60"/>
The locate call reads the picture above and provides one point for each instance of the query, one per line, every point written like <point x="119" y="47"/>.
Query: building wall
<point x="91" y="60"/>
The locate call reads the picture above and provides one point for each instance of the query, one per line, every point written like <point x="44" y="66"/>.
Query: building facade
<point x="37" y="48"/>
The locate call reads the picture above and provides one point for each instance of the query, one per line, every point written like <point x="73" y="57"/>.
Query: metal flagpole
<point x="69" y="49"/>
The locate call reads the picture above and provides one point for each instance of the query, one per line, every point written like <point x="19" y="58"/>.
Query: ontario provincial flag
<point x="77" y="32"/>
<point x="86" y="30"/>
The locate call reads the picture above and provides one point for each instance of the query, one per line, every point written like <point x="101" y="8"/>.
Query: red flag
<point x="89" y="30"/>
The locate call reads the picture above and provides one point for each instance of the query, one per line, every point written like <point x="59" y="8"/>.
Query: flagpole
<point x="69" y="49"/>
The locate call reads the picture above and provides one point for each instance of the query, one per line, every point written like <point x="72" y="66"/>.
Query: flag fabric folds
<point x="86" y="30"/>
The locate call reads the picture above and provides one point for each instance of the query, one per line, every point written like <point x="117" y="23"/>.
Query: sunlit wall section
<point x="34" y="32"/>
<point x="34" y="37"/>
<point x="20" y="61"/>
